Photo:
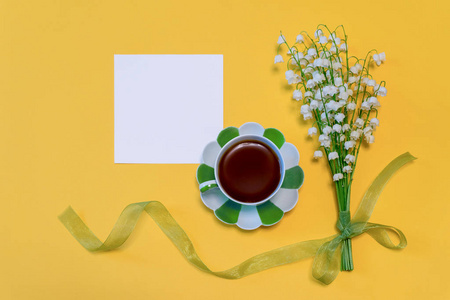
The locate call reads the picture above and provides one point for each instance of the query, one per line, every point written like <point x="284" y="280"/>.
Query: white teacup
<point x="238" y="140"/>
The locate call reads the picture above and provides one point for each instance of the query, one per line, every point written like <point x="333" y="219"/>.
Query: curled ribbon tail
<point x="379" y="233"/>
<point x="370" y="198"/>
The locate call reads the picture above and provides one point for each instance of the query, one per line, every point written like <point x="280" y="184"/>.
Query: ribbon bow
<point x="326" y="251"/>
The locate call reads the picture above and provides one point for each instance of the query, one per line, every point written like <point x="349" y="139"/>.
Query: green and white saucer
<point x="250" y="216"/>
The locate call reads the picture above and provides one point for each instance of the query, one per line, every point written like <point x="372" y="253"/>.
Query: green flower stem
<point x="347" y="256"/>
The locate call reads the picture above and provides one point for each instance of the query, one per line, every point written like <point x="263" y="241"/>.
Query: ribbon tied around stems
<point x="326" y="251"/>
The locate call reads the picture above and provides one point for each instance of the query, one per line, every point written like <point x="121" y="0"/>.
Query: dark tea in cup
<point x="249" y="171"/>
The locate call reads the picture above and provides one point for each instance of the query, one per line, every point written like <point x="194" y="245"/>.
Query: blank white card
<point x="166" y="107"/>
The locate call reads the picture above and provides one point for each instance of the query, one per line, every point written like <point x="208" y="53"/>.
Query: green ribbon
<point x="326" y="251"/>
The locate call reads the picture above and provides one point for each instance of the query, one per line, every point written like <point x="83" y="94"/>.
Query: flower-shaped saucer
<point x="250" y="216"/>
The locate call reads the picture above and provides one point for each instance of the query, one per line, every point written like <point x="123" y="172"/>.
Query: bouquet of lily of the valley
<point x="340" y="97"/>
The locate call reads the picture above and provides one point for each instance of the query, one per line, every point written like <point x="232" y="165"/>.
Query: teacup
<point x="249" y="170"/>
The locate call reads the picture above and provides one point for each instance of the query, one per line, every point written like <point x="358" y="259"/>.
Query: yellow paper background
<point x="56" y="149"/>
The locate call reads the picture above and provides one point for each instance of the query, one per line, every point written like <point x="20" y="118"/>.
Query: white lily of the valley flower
<point x="364" y="81"/>
<point x="343" y="95"/>
<point x="324" y="141"/>
<point x="312" y="52"/>
<point x="343" y="47"/>
<point x="327" y="130"/>
<point x="281" y="39"/>
<point x="307" y="116"/>
<point x="299" y="39"/>
<point x="380" y="90"/>
<point x="318" y="33"/>
<point x="346" y="127"/>
<point x="323" y="40"/>
<point x="337" y="128"/>
<point x="337" y="66"/>
<point x="333" y="155"/>
<point x="318" y="77"/>
<point x="337" y="177"/>
<point x="339" y="117"/>
<point x="351" y="79"/>
<point x="332" y="106"/>
<point x="279" y="59"/>
<point x="359" y="67"/>
<point x="370" y="139"/>
<point x="292" y="51"/>
<point x="310" y="84"/>
<point x="323" y="138"/>
<point x="309" y="69"/>
<point x="314" y="104"/>
<point x="350" y="144"/>
<point x="374" y="122"/>
<point x="312" y="131"/>
<point x="374" y="102"/>
<point x="292" y="78"/>
<point x="334" y="38"/>
<point x="371" y="82"/>
<point x="318" y="62"/>
<point x="351" y="106"/>
<point x="349" y="159"/>
<point x="297" y="59"/>
<point x="365" y="106"/>
<point x="347" y="169"/>
<point x="330" y="90"/>
<point x="338" y="81"/>
<point x="359" y="122"/>
<point x="304" y="109"/>
<point x="308" y="94"/>
<point x="342" y="138"/>
<point x="318" y="154"/>
<point x="367" y="131"/>
<point x="297" y="95"/>
<point x="354" y="70"/>
<point x="354" y="135"/>
<point x="378" y="58"/>
<point x="318" y="95"/>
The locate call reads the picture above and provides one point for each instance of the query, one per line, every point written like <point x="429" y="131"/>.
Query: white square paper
<point x="166" y="107"/>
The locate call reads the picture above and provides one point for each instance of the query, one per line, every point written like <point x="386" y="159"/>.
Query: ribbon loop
<point x="379" y="233"/>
